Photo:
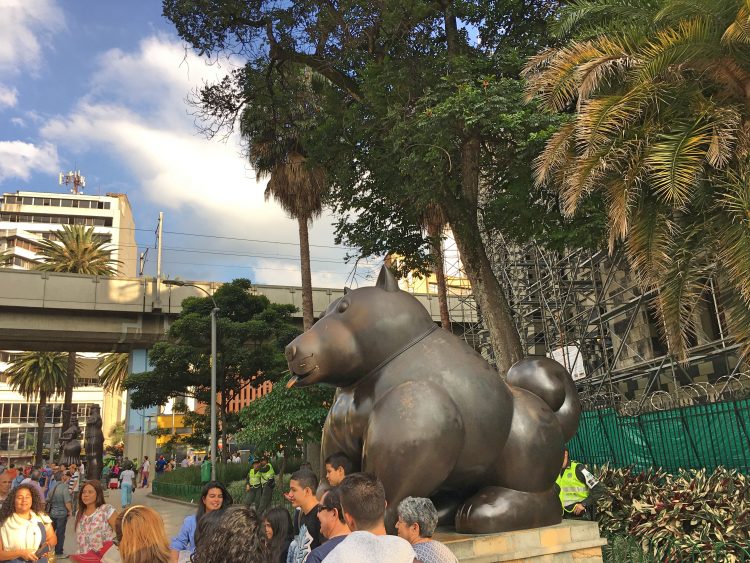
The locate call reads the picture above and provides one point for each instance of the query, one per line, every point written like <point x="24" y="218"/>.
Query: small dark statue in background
<point x="430" y="417"/>
<point x="70" y="443"/>
<point x="94" y="445"/>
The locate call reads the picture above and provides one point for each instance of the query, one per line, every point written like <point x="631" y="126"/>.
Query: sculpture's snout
<point x="290" y="351"/>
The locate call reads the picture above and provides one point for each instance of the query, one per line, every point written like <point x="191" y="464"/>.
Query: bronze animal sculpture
<point x="94" y="445"/>
<point x="430" y="417"/>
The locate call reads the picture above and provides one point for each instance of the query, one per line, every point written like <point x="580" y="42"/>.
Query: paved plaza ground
<point x="171" y="512"/>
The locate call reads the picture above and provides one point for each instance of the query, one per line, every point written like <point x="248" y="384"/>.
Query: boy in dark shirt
<point x="302" y="487"/>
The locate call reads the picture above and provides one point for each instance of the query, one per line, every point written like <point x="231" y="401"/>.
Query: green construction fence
<point x="695" y="436"/>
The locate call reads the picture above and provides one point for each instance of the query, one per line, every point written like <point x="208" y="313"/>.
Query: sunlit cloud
<point x="28" y="26"/>
<point x="135" y="111"/>
<point x="19" y="159"/>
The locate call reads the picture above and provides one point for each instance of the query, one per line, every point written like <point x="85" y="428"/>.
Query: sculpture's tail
<point x="552" y="382"/>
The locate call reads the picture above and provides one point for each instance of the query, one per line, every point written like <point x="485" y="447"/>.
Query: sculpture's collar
<point x="416" y="340"/>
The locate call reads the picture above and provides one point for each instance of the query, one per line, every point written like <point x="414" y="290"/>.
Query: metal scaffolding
<point x="585" y="309"/>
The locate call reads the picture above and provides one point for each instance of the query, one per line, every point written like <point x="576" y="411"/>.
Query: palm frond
<point x="554" y="80"/>
<point x="737" y="310"/>
<point x="77" y="250"/>
<point x="676" y="160"/>
<point x="113" y="369"/>
<point x="594" y="17"/>
<point x="738" y="32"/>
<point x="555" y="155"/>
<point x="680" y="289"/>
<point x="688" y="41"/>
<point x="32" y="373"/>
<point x="734" y="238"/>
<point x="597" y="73"/>
<point x="297" y="187"/>
<point x="650" y="238"/>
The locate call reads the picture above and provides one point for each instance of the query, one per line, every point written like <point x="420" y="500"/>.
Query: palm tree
<point x="660" y="100"/>
<point x="278" y="152"/>
<point x="434" y="221"/>
<point x="299" y="190"/>
<point x="38" y="374"/>
<point x="112" y="372"/>
<point x="77" y="250"/>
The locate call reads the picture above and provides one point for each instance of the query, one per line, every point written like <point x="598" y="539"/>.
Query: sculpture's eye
<point x="343" y="306"/>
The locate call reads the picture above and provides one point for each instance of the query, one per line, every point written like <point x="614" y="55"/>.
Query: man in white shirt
<point x="363" y="502"/>
<point x="185" y="462"/>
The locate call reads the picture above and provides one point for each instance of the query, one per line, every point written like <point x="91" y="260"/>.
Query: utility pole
<point x="159" y="230"/>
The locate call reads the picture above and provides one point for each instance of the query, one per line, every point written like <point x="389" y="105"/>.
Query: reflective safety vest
<point x="572" y="491"/>
<point x="258" y="478"/>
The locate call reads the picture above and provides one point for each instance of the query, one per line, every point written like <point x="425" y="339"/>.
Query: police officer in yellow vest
<point x="260" y="484"/>
<point x="579" y="490"/>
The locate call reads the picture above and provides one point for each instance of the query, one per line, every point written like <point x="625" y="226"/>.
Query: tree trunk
<point x="312" y="455"/>
<point x="304" y="259"/>
<point x="70" y="381"/>
<point x="488" y="293"/>
<point x="41" y="419"/>
<point x="442" y="289"/>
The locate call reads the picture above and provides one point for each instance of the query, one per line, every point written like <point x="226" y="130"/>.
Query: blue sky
<point x="101" y="87"/>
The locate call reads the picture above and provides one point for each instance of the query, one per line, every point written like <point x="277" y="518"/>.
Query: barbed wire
<point x="727" y="388"/>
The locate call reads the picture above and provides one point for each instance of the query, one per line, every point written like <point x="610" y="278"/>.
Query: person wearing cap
<point x="579" y="490"/>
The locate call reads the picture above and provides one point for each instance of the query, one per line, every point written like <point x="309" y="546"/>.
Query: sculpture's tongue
<point x="291" y="383"/>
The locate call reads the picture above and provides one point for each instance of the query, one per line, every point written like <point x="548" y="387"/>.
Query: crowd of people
<point x="338" y="519"/>
<point x="36" y="503"/>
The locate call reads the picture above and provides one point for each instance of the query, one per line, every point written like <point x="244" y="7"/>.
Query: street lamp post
<point x="214" y="312"/>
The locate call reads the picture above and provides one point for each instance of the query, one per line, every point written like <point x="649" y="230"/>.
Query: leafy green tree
<point x="251" y="335"/>
<point x="659" y="97"/>
<point x="280" y="420"/>
<point x="412" y="113"/>
<point x="38" y="375"/>
<point x="76" y="250"/>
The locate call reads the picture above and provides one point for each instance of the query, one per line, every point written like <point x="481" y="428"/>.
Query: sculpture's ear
<point x="386" y="280"/>
<point x="346" y="290"/>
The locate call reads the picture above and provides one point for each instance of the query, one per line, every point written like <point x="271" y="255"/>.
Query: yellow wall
<point x="166" y="421"/>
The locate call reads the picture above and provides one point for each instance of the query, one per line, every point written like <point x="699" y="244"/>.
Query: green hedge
<point x="225" y="472"/>
<point x="178" y="491"/>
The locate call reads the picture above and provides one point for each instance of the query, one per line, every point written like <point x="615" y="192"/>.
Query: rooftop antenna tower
<point x="74" y="180"/>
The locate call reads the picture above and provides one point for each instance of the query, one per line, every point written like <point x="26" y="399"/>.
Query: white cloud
<point x="18" y="121"/>
<point x="136" y="111"/>
<point x="28" y="26"/>
<point x="8" y="97"/>
<point x="19" y="159"/>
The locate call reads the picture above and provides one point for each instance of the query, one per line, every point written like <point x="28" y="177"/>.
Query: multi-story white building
<point x="28" y="217"/>
<point x="25" y="219"/>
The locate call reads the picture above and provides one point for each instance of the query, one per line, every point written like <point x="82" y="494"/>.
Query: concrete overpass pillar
<point x="139" y="421"/>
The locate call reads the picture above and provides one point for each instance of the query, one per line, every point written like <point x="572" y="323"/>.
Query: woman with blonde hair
<point x="143" y="537"/>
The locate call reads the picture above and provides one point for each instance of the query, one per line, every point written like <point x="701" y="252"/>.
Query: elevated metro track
<point x="72" y="312"/>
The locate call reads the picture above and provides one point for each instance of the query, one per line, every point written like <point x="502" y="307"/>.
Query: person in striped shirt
<point x="74" y="485"/>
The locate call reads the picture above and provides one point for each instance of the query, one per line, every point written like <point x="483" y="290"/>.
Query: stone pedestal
<point x="572" y="540"/>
